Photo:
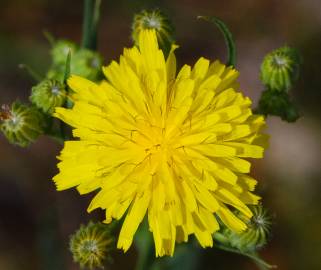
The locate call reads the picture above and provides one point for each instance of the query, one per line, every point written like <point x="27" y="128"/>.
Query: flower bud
<point x="87" y="63"/>
<point x="84" y="63"/>
<point x="60" y="50"/>
<point x="279" y="104"/>
<point x="48" y="94"/>
<point x="21" y="124"/>
<point x="157" y="20"/>
<point x="280" y="69"/>
<point x="256" y="234"/>
<point x="91" y="244"/>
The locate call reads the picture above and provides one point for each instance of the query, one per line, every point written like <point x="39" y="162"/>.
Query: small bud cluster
<point x="154" y="19"/>
<point x="21" y="124"/>
<point x="91" y="245"/>
<point x="279" y="72"/>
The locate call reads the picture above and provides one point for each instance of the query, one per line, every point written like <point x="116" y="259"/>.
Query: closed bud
<point x="60" y="50"/>
<point x="157" y="20"/>
<point x="21" y="124"/>
<point x="83" y="62"/>
<point x="256" y="234"/>
<point x="280" y="69"/>
<point x="91" y="245"/>
<point x="87" y="63"/>
<point x="48" y="94"/>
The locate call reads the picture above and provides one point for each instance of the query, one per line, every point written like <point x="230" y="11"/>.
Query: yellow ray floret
<point x="168" y="146"/>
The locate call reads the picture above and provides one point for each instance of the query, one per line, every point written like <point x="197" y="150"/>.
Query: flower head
<point x="168" y="146"/>
<point x="91" y="244"/>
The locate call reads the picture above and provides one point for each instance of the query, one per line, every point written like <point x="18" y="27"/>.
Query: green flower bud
<point x="84" y="63"/>
<point x="256" y="234"/>
<point x="87" y="63"/>
<point x="278" y="104"/>
<point x="91" y="244"/>
<point x="157" y="20"/>
<point x="48" y="94"/>
<point x="21" y="124"/>
<point x="60" y="51"/>
<point x="280" y="69"/>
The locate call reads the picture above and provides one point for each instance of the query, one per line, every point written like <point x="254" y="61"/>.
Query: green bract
<point x="22" y="124"/>
<point x="278" y="103"/>
<point x="280" y="69"/>
<point x="48" y="94"/>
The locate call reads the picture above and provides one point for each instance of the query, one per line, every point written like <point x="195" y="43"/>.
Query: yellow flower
<point x="168" y="146"/>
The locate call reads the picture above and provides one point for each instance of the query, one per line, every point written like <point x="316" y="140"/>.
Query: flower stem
<point x="144" y="244"/>
<point x="253" y="256"/>
<point x="90" y="24"/>
<point x="33" y="74"/>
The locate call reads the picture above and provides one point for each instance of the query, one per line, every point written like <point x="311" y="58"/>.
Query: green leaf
<point x="231" y="57"/>
<point x="49" y="37"/>
<point x="67" y="67"/>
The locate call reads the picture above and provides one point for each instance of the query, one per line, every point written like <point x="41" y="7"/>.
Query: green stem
<point x="221" y="238"/>
<point x="90" y="24"/>
<point x="33" y="74"/>
<point x="254" y="257"/>
<point x="55" y="135"/>
<point x="144" y="244"/>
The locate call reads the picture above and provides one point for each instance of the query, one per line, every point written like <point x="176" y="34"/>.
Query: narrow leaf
<point x="231" y="57"/>
<point x="67" y="67"/>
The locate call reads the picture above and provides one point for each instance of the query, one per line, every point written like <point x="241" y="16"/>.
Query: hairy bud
<point x="21" y="124"/>
<point x="91" y="245"/>
<point x="48" y="94"/>
<point x="280" y="69"/>
<point x="157" y="20"/>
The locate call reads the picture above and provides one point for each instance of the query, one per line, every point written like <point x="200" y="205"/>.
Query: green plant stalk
<point x="90" y="24"/>
<point x="144" y="244"/>
<point x="33" y="74"/>
<point x="254" y="257"/>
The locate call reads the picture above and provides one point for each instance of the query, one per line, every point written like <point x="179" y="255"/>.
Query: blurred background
<point x="36" y="221"/>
